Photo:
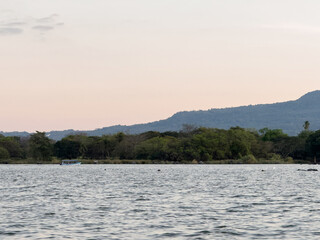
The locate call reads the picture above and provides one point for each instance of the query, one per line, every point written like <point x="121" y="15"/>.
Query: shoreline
<point x="150" y="162"/>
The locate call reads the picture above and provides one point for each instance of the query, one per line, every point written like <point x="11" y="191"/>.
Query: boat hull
<point x="70" y="162"/>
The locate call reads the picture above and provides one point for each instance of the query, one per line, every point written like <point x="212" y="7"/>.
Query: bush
<point x="249" y="159"/>
<point x="275" y="157"/>
<point x="289" y="160"/>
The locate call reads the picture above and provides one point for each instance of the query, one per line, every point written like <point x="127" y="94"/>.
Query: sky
<point x="80" y="64"/>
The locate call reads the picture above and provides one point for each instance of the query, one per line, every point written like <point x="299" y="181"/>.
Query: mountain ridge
<point x="288" y="116"/>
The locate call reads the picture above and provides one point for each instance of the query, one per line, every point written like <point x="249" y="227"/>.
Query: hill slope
<point x="288" y="116"/>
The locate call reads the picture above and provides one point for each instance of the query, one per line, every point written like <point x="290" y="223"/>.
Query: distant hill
<point x="288" y="116"/>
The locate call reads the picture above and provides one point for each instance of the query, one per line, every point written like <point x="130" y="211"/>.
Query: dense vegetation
<point x="191" y="145"/>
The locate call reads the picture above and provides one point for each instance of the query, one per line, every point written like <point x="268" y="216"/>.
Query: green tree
<point x="83" y="140"/>
<point x="125" y="149"/>
<point x="95" y="148"/>
<point x="40" y="146"/>
<point x="4" y="154"/>
<point x="12" y="145"/>
<point x="271" y="134"/>
<point x="313" y="145"/>
<point x="157" y="148"/>
<point x="288" y="146"/>
<point x="241" y="142"/>
<point x="67" y="148"/>
<point x="110" y="143"/>
<point x="306" y="125"/>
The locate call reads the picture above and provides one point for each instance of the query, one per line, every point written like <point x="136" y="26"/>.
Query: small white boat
<point x="70" y="162"/>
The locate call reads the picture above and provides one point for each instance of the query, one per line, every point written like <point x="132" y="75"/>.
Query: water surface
<point x="177" y="202"/>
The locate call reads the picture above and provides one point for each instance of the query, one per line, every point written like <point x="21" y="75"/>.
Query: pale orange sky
<point x="88" y="64"/>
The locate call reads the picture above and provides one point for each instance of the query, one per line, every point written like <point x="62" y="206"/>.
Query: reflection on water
<point x="140" y="202"/>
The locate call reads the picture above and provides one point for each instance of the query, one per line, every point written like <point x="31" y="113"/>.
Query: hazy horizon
<point x="49" y="130"/>
<point x="86" y="65"/>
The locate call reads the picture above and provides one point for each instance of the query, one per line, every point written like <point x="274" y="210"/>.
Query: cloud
<point x="10" y="31"/>
<point x="48" y="19"/>
<point x="14" y="25"/>
<point x="43" y="28"/>
<point x="46" y="24"/>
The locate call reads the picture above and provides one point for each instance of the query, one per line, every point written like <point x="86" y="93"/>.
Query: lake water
<point x="177" y="202"/>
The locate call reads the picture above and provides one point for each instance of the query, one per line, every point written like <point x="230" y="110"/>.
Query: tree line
<point x="191" y="144"/>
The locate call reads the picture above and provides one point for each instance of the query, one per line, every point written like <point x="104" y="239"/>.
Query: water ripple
<point x="138" y="202"/>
